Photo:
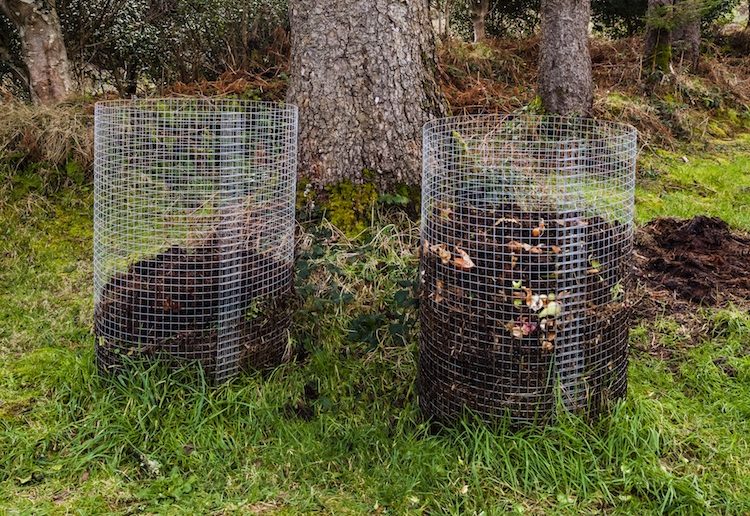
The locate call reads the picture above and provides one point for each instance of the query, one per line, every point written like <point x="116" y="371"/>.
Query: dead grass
<point x="47" y="134"/>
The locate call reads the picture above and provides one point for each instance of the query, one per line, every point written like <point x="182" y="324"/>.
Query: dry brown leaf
<point x="442" y="252"/>
<point x="463" y="261"/>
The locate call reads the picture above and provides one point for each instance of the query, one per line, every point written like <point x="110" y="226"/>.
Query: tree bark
<point x="658" y="51"/>
<point x="362" y="74"/>
<point x="686" y="37"/>
<point x="43" y="48"/>
<point x="565" y="82"/>
<point x="479" y="10"/>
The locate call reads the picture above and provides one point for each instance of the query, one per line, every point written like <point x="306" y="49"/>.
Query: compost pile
<point x="175" y="304"/>
<point x="700" y="260"/>
<point x="506" y="301"/>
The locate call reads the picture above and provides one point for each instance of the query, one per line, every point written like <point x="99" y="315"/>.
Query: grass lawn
<point x="338" y="431"/>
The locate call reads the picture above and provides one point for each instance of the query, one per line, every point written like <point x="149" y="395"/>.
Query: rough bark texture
<point x="44" y="51"/>
<point x="565" y="83"/>
<point x="686" y="37"/>
<point x="363" y="78"/>
<point x="658" y="51"/>
<point x="479" y="10"/>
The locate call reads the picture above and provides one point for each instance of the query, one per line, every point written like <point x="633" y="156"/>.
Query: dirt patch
<point x="181" y="304"/>
<point x="506" y="298"/>
<point x="697" y="260"/>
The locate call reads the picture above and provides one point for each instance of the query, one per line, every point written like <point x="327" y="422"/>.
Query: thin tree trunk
<point x="658" y="52"/>
<point x="43" y="48"/>
<point x="479" y="10"/>
<point x="565" y="82"/>
<point x="447" y="16"/>
<point x="362" y="74"/>
<point x="686" y="37"/>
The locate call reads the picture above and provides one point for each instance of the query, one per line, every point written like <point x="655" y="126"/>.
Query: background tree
<point x="362" y="74"/>
<point x="502" y="17"/>
<point x="168" y="41"/>
<point x="13" y="76"/>
<point x="42" y="48"/>
<point x="619" y="18"/>
<point x="686" y="36"/>
<point x="479" y="10"/>
<point x="658" y="50"/>
<point x="565" y="81"/>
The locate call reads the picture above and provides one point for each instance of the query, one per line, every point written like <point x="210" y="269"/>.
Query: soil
<point x="171" y="305"/>
<point x="486" y="344"/>
<point x="697" y="260"/>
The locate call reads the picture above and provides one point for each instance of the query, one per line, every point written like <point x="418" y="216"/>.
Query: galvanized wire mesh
<point x="527" y="225"/>
<point x="194" y="231"/>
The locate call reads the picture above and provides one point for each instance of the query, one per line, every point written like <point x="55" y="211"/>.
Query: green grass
<point x="716" y="184"/>
<point x="160" y="441"/>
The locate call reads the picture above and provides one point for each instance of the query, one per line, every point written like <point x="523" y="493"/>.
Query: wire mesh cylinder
<point x="527" y="225"/>
<point x="194" y="231"/>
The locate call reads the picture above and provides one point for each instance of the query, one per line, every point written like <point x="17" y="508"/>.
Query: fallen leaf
<point x="463" y="261"/>
<point x="536" y="303"/>
<point x="442" y="252"/>
<point x="553" y="309"/>
<point x="517" y="247"/>
<point x="556" y="249"/>
<point x="528" y="328"/>
<point x="539" y="230"/>
<point x="446" y="212"/>
<point x="511" y="220"/>
<point x="529" y="296"/>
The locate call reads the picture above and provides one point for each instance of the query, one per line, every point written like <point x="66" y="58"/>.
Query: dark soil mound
<point x="700" y="259"/>
<point x="184" y="304"/>
<point x="486" y="344"/>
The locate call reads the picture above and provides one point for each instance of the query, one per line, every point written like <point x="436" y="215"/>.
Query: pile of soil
<point x="493" y="340"/>
<point x="182" y="303"/>
<point x="700" y="260"/>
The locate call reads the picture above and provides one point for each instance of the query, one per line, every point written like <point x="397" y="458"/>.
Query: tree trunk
<point x="42" y="46"/>
<point x="565" y="82"/>
<point x="479" y="10"/>
<point x="447" y="17"/>
<point x="658" y="52"/>
<point x="686" y="37"/>
<point x="362" y="74"/>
